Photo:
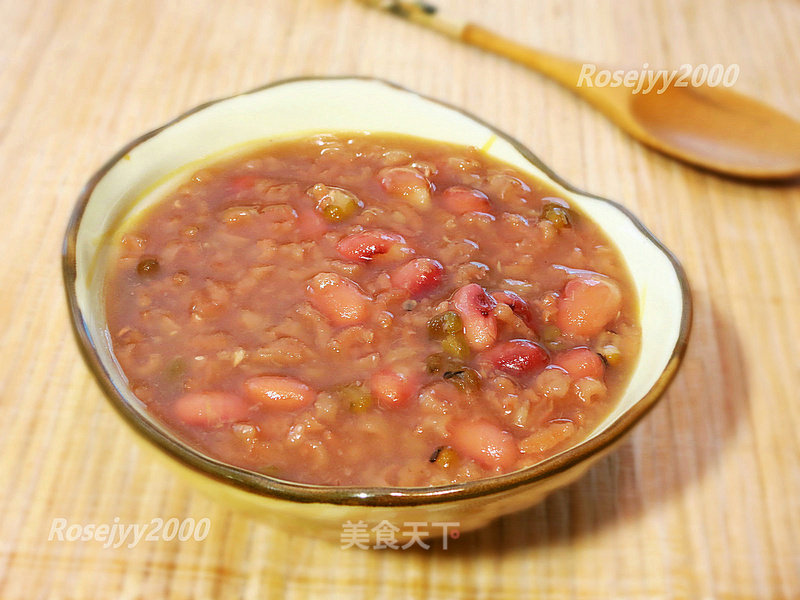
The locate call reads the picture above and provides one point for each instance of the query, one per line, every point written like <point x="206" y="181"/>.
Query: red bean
<point x="460" y="199"/>
<point x="392" y="389"/>
<point x="280" y="393"/>
<point x="485" y="443"/>
<point x="338" y="298"/>
<point x="517" y="305"/>
<point x="365" y="246"/>
<point x="581" y="362"/>
<point x="418" y="276"/>
<point x="475" y="307"/>
<point x="587" y="305"/>
<point x="517" y="357"/>
<point x="210" y="409"/>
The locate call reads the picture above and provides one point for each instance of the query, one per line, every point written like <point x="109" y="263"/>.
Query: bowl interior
<point x="141" y="173"/>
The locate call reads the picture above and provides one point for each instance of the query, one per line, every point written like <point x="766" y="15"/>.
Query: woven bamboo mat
<point x="702" y="501"/>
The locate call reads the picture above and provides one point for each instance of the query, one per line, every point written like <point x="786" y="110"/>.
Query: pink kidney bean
<point x="485" y="443"/>
<point x="366" y="245"/>
<point x="392" y="389"/>
<point x="407" y="183"/>
<point x="460" y="199"/>
<point x="210" y="409"/>
<point x="310" y="225"/>
<point x="280" y="393"/>
<point x="418" y="276"/>
<point x="581" y="362"/>
<point x="338" y="298"/>
<point x="475" y="307"/>
<point x="587" y="305"/>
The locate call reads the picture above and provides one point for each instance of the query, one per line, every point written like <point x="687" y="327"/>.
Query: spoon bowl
<point x="719" y="129"/>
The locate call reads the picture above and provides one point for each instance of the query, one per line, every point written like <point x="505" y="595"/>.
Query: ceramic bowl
<point x="148" y="166"/>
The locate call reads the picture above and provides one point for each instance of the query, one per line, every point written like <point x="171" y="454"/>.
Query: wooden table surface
<point x="703" y="499"/>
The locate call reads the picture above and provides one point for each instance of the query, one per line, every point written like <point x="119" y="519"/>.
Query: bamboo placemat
<point x="702" y="501"/>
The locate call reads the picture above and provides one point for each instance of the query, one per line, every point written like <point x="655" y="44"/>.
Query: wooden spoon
<point x="710" y="127"/>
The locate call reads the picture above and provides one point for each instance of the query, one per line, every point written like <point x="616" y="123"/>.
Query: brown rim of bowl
<point x="366" y="496"/>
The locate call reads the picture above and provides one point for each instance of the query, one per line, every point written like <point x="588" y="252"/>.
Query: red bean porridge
<point x="372" y="310"/>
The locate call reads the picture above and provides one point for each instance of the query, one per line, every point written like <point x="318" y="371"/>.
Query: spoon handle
<point x="566" y="72"/>
<point x="611" y="101"/>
